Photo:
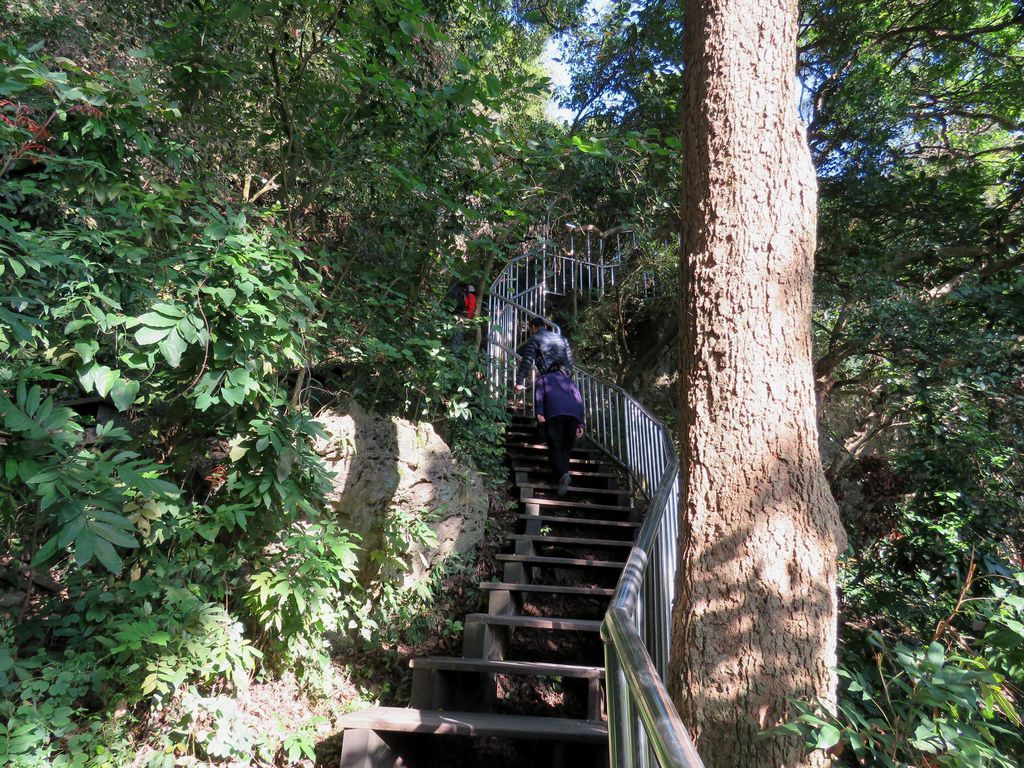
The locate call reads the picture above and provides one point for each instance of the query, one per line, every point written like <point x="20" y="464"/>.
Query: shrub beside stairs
<point x="528" y="689"/>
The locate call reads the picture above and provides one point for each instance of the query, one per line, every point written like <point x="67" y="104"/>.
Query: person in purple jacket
<point x="560" y="420"/>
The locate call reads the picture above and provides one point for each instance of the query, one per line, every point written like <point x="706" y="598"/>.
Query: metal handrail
<point x="643" y="725"/>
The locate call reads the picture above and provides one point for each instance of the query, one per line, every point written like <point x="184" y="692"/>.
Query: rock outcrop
<point x="391" y="476"/>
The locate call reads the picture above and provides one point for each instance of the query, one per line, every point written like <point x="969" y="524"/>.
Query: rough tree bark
<point x="755" y="617"/>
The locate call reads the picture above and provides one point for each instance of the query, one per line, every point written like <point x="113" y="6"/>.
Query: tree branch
<point x="983" y="272"/>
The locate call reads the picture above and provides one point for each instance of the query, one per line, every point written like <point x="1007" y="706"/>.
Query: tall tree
<point x="755" y="618"/>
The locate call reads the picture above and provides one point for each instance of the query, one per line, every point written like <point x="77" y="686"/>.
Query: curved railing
<point x="644" y="727"/>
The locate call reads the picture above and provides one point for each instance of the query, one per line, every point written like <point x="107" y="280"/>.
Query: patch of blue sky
<point x="558" y="71"/>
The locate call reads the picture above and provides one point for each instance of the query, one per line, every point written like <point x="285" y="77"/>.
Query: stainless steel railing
<point x="644" y="727"/>
<point x="565" y="273"/>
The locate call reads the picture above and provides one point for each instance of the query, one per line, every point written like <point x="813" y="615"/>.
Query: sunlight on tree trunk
<point x="755" y="620"/>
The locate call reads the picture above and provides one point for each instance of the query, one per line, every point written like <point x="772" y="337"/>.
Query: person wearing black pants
<point x="560" y="420"/>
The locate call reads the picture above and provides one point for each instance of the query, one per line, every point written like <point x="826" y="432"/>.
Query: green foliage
<point x="201" y="240"/>
<point x="932" y="704"/>
<point x="414" y="615"/>
<point x="297" y="593"/>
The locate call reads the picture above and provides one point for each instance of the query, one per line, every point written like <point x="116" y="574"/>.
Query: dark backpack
<point x="457" y="296"/>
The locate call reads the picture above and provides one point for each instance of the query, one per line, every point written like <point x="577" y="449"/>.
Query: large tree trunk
<point x="755" y="618"/>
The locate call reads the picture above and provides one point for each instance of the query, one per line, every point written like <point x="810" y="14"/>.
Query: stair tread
<point x="541" y="461"/>
<point x="580" y="521"/>
<point x="535" y="622"/>
<point x="578" y="489"/>
<point x="572" y="472"/>
<point x="502" y="667"/>
<point x="574" y="561"/>
<point x="575" y="504"/>
<point x="543" y="447"/>
<point x="453" y="723"/>
<point x="571" y="540"/>
<point x="555" y="589"/>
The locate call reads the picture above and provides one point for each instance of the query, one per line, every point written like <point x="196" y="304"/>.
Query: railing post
<point x="617" y="691"/>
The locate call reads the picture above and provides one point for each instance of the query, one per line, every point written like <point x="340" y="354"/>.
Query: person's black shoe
<point x="563" y="484"/>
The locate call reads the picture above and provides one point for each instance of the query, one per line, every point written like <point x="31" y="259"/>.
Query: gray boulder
<point x="394" y="478"/>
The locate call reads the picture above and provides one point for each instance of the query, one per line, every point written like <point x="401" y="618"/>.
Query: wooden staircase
<point x="529" y="687"/>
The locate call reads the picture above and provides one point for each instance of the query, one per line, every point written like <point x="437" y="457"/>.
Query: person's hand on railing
<point x="540" y="418"/>
<point x="519" y="388"/>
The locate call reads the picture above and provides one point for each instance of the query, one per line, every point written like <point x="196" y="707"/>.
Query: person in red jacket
<point x="470" y="302"/>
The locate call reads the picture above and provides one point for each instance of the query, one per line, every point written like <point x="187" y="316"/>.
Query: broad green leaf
<point x="233" y="395"/>
<point x="146" y="336"/>
<point x="217" y="231"/>
<point x="32" y="401"/>
<point x="85" y="545"/>
<point x="172" y="348"/>
<point x="828" y="737"/>
<point x="114" y="535"/>
<point x="169" y="310"/>
<point x="70" y="531"/>
<point x="204" y="401"/>
<point x="104" y="379"/>
<point x="238" y="377"/>
<point x="936" y="654"/>
<point x="86" y="350"/>
<point x="123" y="393"/>
<point x="156" y="320"/>
<point x="113" y="519"/>
<point x="493" y="86"/>
<point x="108" y="556"/>
<point x="16" y="420"/>
<point x="239" y="10"/>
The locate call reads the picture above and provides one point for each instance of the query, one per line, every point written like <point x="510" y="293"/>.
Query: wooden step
<point x="408" y="720"/>
<point x="560" y="562"/>
<point x="576" y="451"/>
<point x="563" y="520"/>
<point x="540" y="462"/>
<point x="562" y="503"/>
<point x="577" y="489"/>
<point x="538" y="669"/>
<point x="572" y="472"/>
<point x="535" y="622"/>
<point x="552" y="589"/>
<point x="446" y="682"/>
<point x="571" y="541"/>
